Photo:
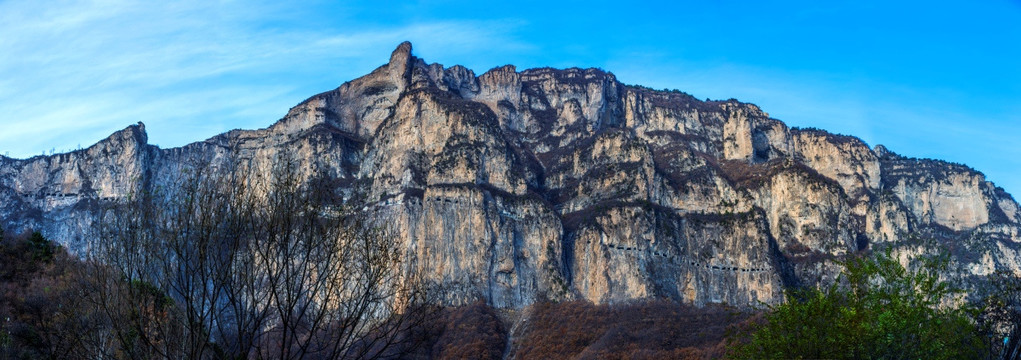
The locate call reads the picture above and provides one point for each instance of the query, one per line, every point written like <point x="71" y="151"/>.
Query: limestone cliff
<point x="512" y="186"/>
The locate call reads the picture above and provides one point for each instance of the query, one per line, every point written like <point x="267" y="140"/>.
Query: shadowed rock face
<point x="512" y="186"/>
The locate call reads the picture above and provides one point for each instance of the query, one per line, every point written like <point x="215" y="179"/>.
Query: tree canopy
<point x="877" y="309"/>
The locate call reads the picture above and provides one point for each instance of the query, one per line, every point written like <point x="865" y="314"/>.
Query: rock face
<point x="514" y="186"/>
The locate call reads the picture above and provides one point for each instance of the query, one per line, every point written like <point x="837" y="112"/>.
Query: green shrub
<point x="880" y="309"/>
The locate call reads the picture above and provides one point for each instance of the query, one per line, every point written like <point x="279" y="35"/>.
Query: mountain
<point x="567" y="184"/>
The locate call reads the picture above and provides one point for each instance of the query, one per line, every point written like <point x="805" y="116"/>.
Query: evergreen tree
<point x="42" y="249"/>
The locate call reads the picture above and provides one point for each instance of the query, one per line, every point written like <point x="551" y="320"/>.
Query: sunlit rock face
<point x="514" y="186"/>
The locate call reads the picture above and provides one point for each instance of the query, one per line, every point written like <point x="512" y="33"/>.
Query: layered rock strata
<point x="512" y="186"/>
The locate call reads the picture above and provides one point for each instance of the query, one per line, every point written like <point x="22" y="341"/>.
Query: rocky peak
<point x="500" y="78"/>
<point x="882" y="152"/>
<point x="461" y="81"/>
<point x="401" y="56"/>
<point x="131" y="142"/>
<point x="401" y="62"/>
<point x="133" y="134"/>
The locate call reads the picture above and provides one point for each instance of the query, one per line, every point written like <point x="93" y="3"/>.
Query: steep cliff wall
<point x="514" y="186"/>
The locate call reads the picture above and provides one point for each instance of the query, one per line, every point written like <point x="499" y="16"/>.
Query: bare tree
<point x="229" y="262"/>
<point x="1002" y="315"/>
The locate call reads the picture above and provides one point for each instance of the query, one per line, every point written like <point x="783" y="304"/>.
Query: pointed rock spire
<point x="400" y="63"/>
<point x="402" y="54"/>
<point x="133" y="133"/>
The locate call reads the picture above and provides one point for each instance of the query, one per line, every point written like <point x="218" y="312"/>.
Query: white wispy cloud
<point x="71" y="72"/>
<point x="74" y="71"/>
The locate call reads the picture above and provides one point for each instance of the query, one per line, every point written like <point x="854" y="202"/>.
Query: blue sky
<point x="934" y="79"/>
